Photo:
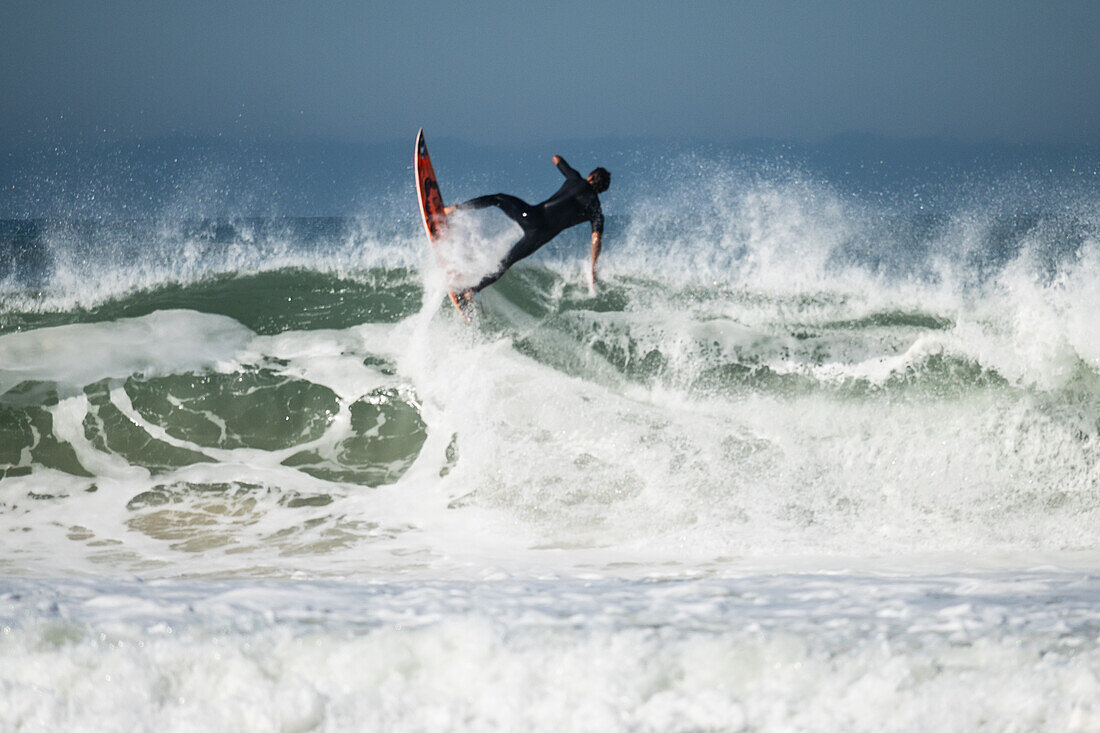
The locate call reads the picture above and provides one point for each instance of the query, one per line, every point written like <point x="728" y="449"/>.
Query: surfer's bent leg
<point x="514" y="208"/>
<point x="525" y="247"/>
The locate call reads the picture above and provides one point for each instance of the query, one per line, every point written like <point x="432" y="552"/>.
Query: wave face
<point x="811" y="453"/>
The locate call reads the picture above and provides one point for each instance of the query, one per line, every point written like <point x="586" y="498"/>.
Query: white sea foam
<point x="797" y="652"/>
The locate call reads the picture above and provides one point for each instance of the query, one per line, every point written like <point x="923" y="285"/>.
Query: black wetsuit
<point x="576" y="201"/>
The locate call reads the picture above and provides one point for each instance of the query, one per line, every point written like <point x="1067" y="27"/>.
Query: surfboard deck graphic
<point x="431" y="208"/>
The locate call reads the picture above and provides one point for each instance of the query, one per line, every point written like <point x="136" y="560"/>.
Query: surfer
<point x="576" y="201"/>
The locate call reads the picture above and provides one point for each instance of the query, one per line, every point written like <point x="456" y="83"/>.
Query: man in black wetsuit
<point x="576" y="201"/>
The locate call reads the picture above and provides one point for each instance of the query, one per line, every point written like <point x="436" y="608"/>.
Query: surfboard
<point x="431" y="208"/>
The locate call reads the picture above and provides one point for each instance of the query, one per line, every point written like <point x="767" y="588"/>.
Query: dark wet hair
<point x="600" y="179"/>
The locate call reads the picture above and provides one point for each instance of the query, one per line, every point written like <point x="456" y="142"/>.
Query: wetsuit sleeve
<point x="566" y="169"/>
<point x="597" y="219"/>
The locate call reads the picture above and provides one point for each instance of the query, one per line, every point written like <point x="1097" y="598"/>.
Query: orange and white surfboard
<point x="431" y="205"/>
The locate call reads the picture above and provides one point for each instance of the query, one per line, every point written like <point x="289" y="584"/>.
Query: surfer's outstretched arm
<point x="565" y="168"/>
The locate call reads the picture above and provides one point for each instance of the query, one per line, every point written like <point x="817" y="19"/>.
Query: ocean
<point x="822" y="453"/>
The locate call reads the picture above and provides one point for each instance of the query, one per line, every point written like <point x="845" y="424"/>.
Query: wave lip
<point x="162" y="342"/>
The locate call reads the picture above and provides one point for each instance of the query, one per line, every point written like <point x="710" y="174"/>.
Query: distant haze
<point x="513" y="72"/>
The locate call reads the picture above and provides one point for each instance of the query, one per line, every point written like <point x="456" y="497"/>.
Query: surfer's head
<point x="599" y="179"/>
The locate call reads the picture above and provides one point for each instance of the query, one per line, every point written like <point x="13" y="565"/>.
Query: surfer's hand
<point x="448" y="210"/>
<point x="557" y="159"/>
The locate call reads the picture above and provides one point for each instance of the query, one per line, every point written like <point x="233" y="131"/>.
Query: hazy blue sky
<point x="977" y="70"/>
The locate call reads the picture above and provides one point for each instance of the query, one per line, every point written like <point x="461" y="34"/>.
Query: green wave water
<point x="285" y="395"/>
<point x="635" y="331"/>
<point x="266" y="302"/>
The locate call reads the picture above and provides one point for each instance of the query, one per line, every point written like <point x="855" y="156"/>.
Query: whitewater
<point x="817" y="456"/>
